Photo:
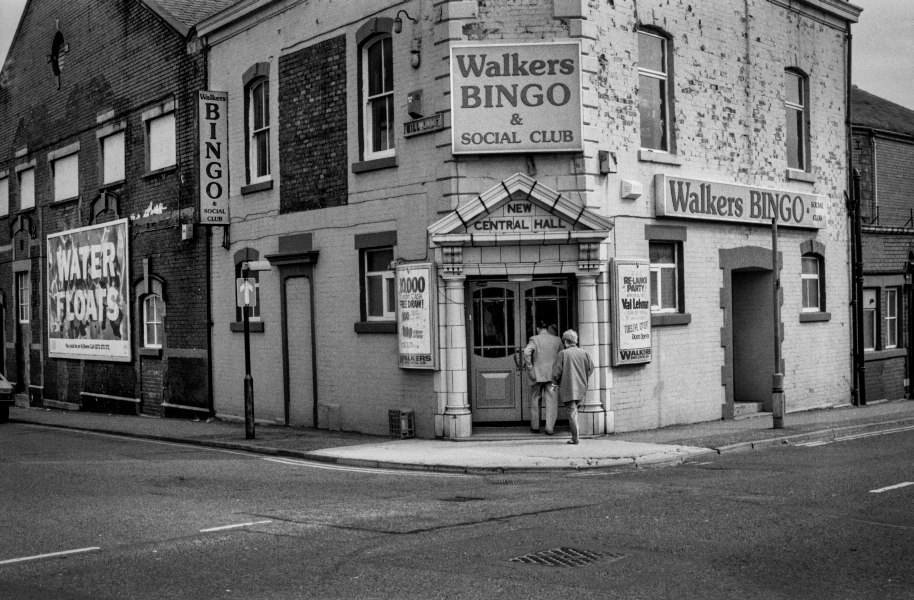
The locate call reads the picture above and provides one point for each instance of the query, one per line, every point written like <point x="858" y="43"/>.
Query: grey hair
<point x="570" y="336"/>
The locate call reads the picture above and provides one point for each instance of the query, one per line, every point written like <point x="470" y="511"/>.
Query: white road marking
<point x="49" y="555"/>
<point x="703" y="463"/>
<point x="892" y="487"/>
<point x="234" y="526"/>
<point x="856" y="436"/>
<point x="316" y="465"/>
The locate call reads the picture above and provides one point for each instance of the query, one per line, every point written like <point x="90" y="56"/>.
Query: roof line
<point x="166" y="16"/>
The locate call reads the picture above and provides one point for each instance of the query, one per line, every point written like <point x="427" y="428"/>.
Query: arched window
<point x="655" y="90"/>
<point x="377" y="89"/>
<point x="257" y="122"/>
<point x="153" y="321"/>
<point x="796" y="107"/>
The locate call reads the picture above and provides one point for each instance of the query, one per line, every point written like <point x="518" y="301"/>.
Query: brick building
<point x="103" y="270"/>
<point x="883" y="147"/>
<point x="431" y="178"/>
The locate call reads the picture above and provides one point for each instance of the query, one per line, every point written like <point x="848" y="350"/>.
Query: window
<point x="254" y="313"/>
<point x="654" y="91"/>
<point x="812" y="297"/>
<point x="4" y="196"/>
<point x="259" y="131"/>
<point x="22" y="295"/>
<point x="870" y="308"/>
<point x="66" y="177"/>
<point x="112" y="160"/>
<point x="154" y="321"/>
<point x="891" y="317"/>
<point x="27" y="189"/>
<point x="160" y="133"/>
<point x="380" y="290"/>
<point x="795" y="102"/>
<point x="664" y="277"/>
<point x="378" y="98"/>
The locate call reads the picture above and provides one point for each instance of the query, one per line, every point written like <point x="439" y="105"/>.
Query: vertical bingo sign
<point x="416" y="309"/>
<point x="631" y="305"/>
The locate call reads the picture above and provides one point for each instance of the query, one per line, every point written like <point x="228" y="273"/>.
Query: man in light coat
<point x="571" y="374"/>
<point x="539" y="356"/>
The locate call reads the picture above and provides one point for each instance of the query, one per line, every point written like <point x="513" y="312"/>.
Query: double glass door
<point x="502" y="317"/>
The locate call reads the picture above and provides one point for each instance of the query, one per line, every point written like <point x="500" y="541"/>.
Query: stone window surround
<point x="668" y="157"/>
<point x="817" y="249"/>
<point x="157" y="288"/>
<point x="55" y="155"/>
<point x="100" y="135"/>
<point x="678" y="234"/>
<point x="163" y="108"/>
<point x="366" y="241"/>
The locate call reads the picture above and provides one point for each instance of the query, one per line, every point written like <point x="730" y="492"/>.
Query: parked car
<point x="6" y="399"/>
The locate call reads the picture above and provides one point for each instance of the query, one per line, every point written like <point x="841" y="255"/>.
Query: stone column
<point x="592" y="415"/>
<point x="458" y="421"/>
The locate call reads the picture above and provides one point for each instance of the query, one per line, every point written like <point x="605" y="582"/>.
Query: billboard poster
<point x="516" y="98"/>
<point x="631" y="304"/>
<point x="88" y="294"/>
<point x="416" y="310"/>
<point x="214" y="171"/>
<point x="737" y="203"/>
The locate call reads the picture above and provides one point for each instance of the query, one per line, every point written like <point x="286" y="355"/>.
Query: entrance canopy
<point x="519" y="211"/>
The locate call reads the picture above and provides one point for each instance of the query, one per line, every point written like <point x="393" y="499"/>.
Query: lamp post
<point x="247" y="299"/>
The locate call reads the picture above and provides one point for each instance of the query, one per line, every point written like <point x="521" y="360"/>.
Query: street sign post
<point x="246" y="293"/>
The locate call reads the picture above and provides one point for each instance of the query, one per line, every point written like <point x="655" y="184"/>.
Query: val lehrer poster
<point x="88" y="312"/>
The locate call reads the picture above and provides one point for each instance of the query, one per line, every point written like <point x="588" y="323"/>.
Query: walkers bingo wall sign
<point x="516" y="98"/>
<point x="631" y="305"/>
<point x="88" y="311"/>
<point x="416" y="310"/>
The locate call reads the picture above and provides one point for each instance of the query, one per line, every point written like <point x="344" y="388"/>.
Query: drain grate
<point x="461" y="499"/>
<point x="565" y="557"/>
<point x="505" y="482"/>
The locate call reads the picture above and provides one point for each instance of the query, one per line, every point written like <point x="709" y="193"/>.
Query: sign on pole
<point x="416" y="311"/>
<point x="631" y="304"/>
<point x="247" y="291"/>
<point x="516" y="98"/>
<point x="214" y="171"/>
<point x="88" y="293"/>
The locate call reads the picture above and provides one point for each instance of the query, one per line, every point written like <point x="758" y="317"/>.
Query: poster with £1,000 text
<point x="416" y="310"/>
<point x="88" y="297"/>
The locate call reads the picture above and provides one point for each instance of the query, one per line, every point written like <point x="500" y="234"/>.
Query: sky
<point x="883" y="59"/>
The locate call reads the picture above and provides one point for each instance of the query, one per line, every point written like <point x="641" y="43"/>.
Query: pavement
<point x="495" y="450"/>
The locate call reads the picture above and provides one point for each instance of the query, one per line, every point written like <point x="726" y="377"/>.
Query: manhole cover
<point x="565" y="557"/>
<point x="461" y="499"/>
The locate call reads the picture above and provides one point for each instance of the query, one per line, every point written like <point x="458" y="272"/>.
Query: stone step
<point x="746" y="408"/>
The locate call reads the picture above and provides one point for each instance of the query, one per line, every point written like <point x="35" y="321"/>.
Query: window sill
<point x="374" y="165"/>
<point x="23" y="211"/>
<point x="798" y="175"/>
<point x="375" y="327"/>
<point x="654" y="156"/>
<point x="253" y="326"/>
<point x="151" y="352"/>
<point x="65" y="200"/>
<point x="257" y="187"/>
<point x="884" y="354"/>
<point x="812" y="317"/>
<point x="111" y="184"/>
<point x="161" y="171"/>
<point x="663" y="319"/>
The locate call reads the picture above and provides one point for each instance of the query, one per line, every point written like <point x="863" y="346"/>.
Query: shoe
<point x="572" y="441"/>
<point x="549" y="433"/>
<point x="532" y="430"/>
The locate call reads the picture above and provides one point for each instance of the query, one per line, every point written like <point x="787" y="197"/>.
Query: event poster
<point x="416" y="309"/>
<point x="631" y="312"/>
<point x="88" y="294"/>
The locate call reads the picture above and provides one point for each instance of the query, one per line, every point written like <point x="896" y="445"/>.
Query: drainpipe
<point x="209" y="267"/>
<point x="858" y="291"/>
<point x="852" y="206"/>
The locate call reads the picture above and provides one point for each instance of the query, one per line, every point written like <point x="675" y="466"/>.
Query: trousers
<point x="544" y="394"/>
<point x="572" y="408"/>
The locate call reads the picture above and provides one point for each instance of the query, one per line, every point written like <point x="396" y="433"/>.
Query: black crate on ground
<point x="402" y="423"/>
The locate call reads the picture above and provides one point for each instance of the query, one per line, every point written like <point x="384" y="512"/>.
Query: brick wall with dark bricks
<point x="312" y="127"/>
<point x="121" y="59"/>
